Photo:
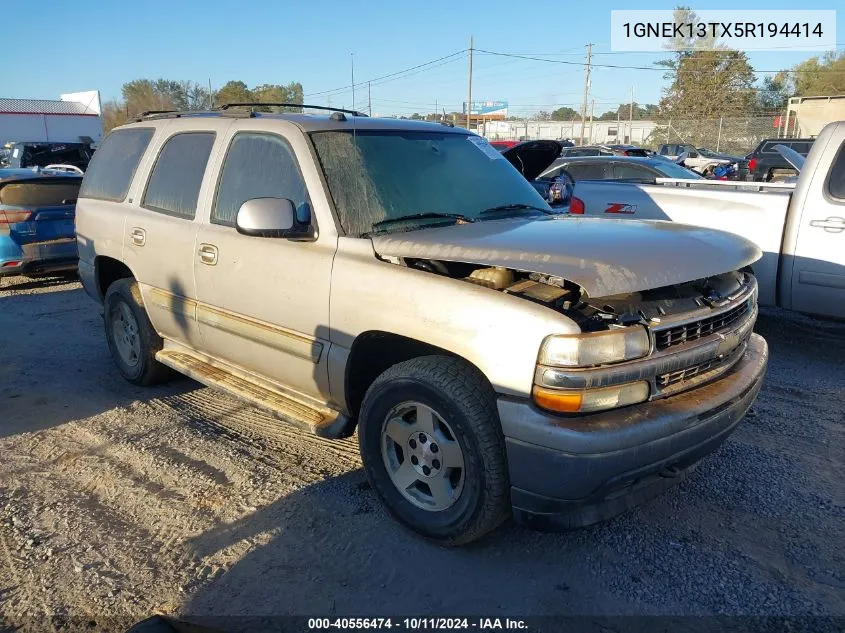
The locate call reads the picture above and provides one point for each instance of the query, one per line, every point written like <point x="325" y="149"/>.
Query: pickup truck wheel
<point x="133" y="342"/>
<point x="433" y="449"/>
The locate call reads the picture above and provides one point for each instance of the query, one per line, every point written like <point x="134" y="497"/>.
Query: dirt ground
<point x="117" y="502"/>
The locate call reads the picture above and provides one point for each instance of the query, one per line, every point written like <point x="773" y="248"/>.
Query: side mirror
<point x="693" y="155"/>
<point x="275" y="217"/>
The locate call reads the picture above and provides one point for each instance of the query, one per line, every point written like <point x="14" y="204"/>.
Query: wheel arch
<point x="375" y="351"/>
<point x="107" y="270"/>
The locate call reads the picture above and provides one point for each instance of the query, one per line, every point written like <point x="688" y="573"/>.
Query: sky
<point x="107" y="44"/>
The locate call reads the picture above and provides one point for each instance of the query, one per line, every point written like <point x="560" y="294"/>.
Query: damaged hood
<point x="603" y="256"/>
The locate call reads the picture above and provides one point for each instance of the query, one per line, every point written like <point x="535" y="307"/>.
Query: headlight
<point x="587" y="400"/>
<point x="595" y="348"/>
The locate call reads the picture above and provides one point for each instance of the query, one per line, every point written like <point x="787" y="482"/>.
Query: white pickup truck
<point x="799" y="227"/>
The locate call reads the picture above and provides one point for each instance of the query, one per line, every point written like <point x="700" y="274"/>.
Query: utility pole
<point x="352" y="57"/>
<point x="469" y="92"/>
<point x="435" y="108"/>
<point x="586" y="91"/>
<point x="592" y="107"/>
<point x="369" y="100"/>
<point x="210" y="94"/>
<point x="631" y="119"/>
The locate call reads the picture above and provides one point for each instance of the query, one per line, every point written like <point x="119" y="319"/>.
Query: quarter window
<point x="174" y="185"/>
<point x="257" y="166"/>
<point x="836" y="179"/>
<point x="113" y="166"/>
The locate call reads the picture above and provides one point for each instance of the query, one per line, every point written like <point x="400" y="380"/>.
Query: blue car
<point x="37" y="210"/>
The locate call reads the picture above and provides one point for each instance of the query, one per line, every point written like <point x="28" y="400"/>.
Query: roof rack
<point x="257" y="104"/>
<point x="175" y="114"/>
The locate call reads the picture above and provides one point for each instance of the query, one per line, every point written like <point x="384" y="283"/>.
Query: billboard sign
<point x="487" y="108"/>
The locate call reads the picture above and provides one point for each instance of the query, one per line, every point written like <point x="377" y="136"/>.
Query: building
<point x="600" y="132"/>
<point x="74" y="118"/>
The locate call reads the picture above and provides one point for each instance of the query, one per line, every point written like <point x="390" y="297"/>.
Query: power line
<point x="398" y="72"/>
<point x="653" y="68"/>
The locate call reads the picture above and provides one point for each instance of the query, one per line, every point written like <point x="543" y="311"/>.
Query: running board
<point x="320" y="420"/>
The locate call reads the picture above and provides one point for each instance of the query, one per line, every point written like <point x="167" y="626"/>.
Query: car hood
<point x="603" y="256"/>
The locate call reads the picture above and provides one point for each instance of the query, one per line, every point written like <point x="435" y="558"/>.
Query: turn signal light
<point x="588" y="400"/>
<point x="576" y="206"/>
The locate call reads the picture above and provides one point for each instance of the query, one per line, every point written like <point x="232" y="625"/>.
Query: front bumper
<point x="572" y="472"/>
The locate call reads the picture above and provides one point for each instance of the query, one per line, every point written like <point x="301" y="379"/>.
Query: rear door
<point x="161" y="227"/>
<point x="818" y="275"/>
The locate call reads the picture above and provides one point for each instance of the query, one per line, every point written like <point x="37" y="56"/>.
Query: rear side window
<point x="836" y="179"/>
<point x="174" y="185"/>
<point x="631" y="172"/>
<point x="40" y="193"/>
<point x="257" y="166"/>
<point x="802" y="147"/>
<point x="590" y="171"/>
<point x="113" y="165"/>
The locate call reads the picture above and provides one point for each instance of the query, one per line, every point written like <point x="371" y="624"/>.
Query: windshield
<point x="673" y="170"/>
<point x="376" y="177"/>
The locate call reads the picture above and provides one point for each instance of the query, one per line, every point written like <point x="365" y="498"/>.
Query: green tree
<point x="233" y="92"/>
<point x="565" y="114"/>
<point x="775" y="93"/>
<point x="820" y="76"/>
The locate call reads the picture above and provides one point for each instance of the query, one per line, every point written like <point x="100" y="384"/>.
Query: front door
<point x="818" y="275"/>
<point x="264" y="302"/>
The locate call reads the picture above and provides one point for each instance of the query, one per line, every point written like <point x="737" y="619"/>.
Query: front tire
<point x="433" y="449"/>
<point x="133" y="342"/>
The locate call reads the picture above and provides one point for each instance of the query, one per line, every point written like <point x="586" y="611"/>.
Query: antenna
<point x="352" y="58"/>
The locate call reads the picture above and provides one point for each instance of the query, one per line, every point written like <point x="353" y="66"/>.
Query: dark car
<point x="629" y="150"/>
<point x="766" y="164"/>
<point x="587" y="150"/>
<point x="22" y="154"/>
<point x="37" y="209"/>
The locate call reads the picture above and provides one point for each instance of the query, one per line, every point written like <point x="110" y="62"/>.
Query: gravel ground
<point x="117" y="502"/>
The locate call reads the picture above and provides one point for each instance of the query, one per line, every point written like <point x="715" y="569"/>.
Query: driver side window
<point x="257" y="166"/>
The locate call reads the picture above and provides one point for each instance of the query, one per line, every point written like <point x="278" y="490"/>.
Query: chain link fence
<point x="731" y="135"/>
<point x="737" y="135"/>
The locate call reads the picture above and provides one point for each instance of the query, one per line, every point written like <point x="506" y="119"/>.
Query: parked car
<point x="603" y="150"/>
<point x="629" y="150"/>
<point x="702" y="160"/>
<point x="537" y="162"/>
<point x="503" y="145"/>
<point x="800" y="227"/>
<point x="36" y="221"/>
<point x="587" y="150"/>
<point x="402" y="278"/>
<point x="70" y="156"/>
<point x="766" y="164"/>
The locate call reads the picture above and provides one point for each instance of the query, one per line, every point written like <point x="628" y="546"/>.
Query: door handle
<point x="831" y="224"/>
<point x="208" y="254"/>
<point x="139" y="236"/>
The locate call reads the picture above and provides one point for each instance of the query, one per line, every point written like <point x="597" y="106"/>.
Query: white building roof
<point x="42" y="106"/>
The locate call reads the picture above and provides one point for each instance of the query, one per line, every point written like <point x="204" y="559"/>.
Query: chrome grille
<point x="698" y="373"/>
<point x="670" y="336"/>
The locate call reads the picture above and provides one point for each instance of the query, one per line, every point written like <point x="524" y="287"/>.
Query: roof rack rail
<point x="175" y="114"/>
<point x="257" y="104"/>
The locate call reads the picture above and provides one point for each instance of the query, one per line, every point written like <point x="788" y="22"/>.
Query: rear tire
<point x="133" y="342"/>
<point x="441" y="412"/>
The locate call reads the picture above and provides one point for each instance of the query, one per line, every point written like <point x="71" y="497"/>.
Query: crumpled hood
<point x="603" y="256"/>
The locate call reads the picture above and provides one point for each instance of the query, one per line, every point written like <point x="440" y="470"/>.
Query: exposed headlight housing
<point x="595" y="348"/>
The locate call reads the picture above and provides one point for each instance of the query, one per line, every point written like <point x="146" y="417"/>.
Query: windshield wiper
<point x="423" y="216"/>
<point x="515" y="207"/>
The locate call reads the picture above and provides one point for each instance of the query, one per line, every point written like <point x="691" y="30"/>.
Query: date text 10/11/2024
<point x="417" y="624"/>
